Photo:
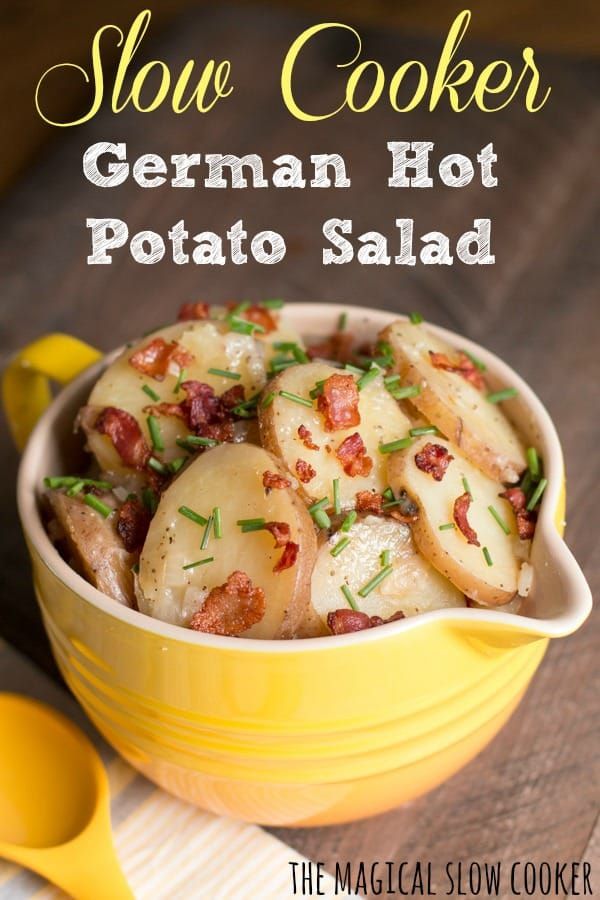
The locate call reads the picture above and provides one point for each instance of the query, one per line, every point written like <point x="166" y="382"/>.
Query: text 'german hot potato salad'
<point x="247" y="483"/>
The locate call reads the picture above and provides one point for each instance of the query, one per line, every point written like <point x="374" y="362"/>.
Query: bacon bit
<point x="433" y="459"/>
<point x="272" y="480"/>
<point x="516" y="497"/>
<point x="526" y="520"/>
<point x="231" y="608"/>
<point x="459" y="513"/>
<point x="193" y="311"/>
<point x="345" y="621"/>
<point x="154" y="359"/>
<point x="369" y="502"/>
<point x="464" y="366"/>
<point x="132" y="524"/>
<point x="338" y="402"/>
<point x="306" y="437"/>
<point x="281" y="531"/>
<point x="352" y="455"/>
<point x="287" y="558"/>
<point x="233" y="396"/>
<point x="201" y="405"/>
<point x="258" y="315"/>
<point x="304" y="471"/>
<point x="337" y="346"/>
<point x="126" y="436"/>
<point x="372" y="503"/>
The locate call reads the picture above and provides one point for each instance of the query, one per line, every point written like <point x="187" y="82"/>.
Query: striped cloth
<point x="167" y="848"/>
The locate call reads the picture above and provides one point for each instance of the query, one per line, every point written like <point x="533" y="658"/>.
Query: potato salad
<point x="246" y="480"/>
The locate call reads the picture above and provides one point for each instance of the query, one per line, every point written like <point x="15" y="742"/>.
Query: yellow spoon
<point x="54" y="802"/>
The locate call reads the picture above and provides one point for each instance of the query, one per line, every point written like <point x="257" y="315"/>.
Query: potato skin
<point x="448" y="551"/>
<point x="94" y="546"/>
<point x="228" y="476"/>
<point x="458" y="409"/>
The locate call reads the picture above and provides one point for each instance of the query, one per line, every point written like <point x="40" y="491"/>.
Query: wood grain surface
<point x="533" y="794"/>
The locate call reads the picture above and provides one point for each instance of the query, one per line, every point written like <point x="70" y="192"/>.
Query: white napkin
<point x="167" y="848"/>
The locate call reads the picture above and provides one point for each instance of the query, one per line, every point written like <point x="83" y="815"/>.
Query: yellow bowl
<point x="289" y="733"/>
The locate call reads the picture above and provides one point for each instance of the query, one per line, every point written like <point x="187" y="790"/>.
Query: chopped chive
<point x="136" y="568"/>
<point x="536" y="496"/>
<point x="243" y="413"/>
<point x="388" y="494"/>
<point x="303" y="401"/>
<point x="271" y="304"/>
<point x="486" y="556"/>
<point x="467" y="487"/>
<point x="247" y="522"/>
<point x="155" y="435"/>
<point x="321" y="518"/>
<point x="400" y="444"/>
<point x="192" y="516"/>
<point x="349" y="520"/>
<point x="225" y="373"/>
<point x="476" y="362"/>
<point x="218" y="522"/>
<point x="278" y="365"/>
<point x="425" y="429"/>
<point x="348" y="595"/>
<point x="533" y="461"/>
<point x="447" y="527"/>
<point x="390" y="380"/>
<point x="404" y="393"/>
<point x="385" y="558"/>
<point x="340" y="546"/>
<point x="416" y="318"/>
<point x="299" y="354"/>
<point x="76" y="488"/>
<point x="176" y="464"/>
<point x="317" y="390"/>
<point x="342" y="321"/>
<point x="337" y="505"/>
<point x="499" y="396"/>
<point x="199" y="562"/>
<point x="368" y="377"/>
<point x="526" y="482"/>
<point x="354" y="370"/>
<point x="158" y="466"/>
<point x="249" y="404"/>
<point x="390" y="503"/>
<point x="246" y="529"/>
<point x="375" y="581"/>
<point x="286" y="346"/>
<point x="179" y="381"/>
<point x="150" y="500"/>
<point x="152" y="394"/>
<point x="319" y="504"/>
<point x="494" y="512"/>
<point x="193" y="440"/>
<point x="242" y="326"/>
<point x="62" y="481"/>
<point x="98" y="505"/>
<point x="268" y="400"/>
<point x="207" y="530"/>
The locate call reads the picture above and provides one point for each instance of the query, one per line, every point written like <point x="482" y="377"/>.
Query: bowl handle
<point x="26" y="380"/>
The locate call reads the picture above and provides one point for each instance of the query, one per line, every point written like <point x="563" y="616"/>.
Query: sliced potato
<point x="413" y="586"/>
<point x="458" y="409"/>
<point x="211" y="346"/>
<point x="447" y="550"/>
<point x="381" y="421"/>
<point x="229" y="477"/>
<point x="92" y="545"/>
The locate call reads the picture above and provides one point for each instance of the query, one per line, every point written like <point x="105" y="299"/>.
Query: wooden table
<point x="533" y="794"/>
